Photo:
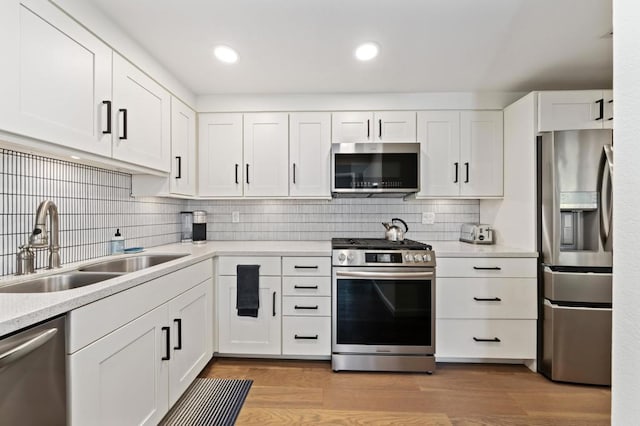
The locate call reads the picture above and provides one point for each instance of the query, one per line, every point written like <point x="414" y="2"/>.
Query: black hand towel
<point x="247" y="293"/>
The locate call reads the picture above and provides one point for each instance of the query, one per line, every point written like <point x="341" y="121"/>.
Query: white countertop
<point x="19" y="310"/>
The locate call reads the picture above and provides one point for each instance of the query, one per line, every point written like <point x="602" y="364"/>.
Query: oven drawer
<point x="306" y="286"/>
<point x="486" y="298"/>
<point x="314" y="306"/>
<point x="269" y="265"/>
<point x="306" y="336"/>
<point x="468" y="338"/>
<point x="307" y="266"/>
<point x="487" y="267"/>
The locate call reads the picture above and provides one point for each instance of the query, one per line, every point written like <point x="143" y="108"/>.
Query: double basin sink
<point x="90" y="274"/>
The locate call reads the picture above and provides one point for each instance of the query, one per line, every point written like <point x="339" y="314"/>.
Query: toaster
<point x="476" y="233"/>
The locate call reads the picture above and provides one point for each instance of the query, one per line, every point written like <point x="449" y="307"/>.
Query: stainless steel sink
<point x="131" y="264"/>
<point x="59" y="282"/>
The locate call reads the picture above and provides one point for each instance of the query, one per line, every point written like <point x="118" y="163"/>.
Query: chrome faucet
<point x="39" y="237"/>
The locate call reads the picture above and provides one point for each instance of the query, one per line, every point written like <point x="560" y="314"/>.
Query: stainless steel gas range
<point x="383" y="305"/>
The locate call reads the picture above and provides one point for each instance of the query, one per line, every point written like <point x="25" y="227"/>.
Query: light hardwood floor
<point x="310" y="393"/>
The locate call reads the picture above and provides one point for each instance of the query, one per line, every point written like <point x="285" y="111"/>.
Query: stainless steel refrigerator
<point x="575" y="242"/>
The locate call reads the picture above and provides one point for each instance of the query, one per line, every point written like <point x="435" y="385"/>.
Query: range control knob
<point x="341" y="257"/>
<point x="349" y="258"/>
<point x="418" y="258"/>
<point x="426" y="257"/>
<point x="408" y="258"/>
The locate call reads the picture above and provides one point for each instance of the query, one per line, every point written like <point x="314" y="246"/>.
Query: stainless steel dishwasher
<point x="32" y="375"/>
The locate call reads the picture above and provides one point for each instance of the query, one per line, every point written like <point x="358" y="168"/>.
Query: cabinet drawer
<point x="269" y="265"/>
<point x="306" y="266"/>
<point x="306" y="286"/>
<point x="306" y="336"/>
<point x="487" y="267"/>
<point x="486" y="298"/>
<point x="515" y="339"/>
<point x="314" y="306"/>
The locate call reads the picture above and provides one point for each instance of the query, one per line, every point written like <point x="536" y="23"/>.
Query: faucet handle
<point x="25" y="260"/>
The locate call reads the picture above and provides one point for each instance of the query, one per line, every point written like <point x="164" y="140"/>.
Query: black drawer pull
<point x="124" y="124"/>
<point x="600" y="109"/>
<point x="487" y="268"/>
<point x="487" y="299"/>
<point x="178" y="321"/>
<point x="305" y="337"/>
<point x="306" y="307"/>
<point x="274" y="304"/>
<point x="495" y="340"/>
<point x="305" y="267"/>
<point x="167" y="357"/>
<point x="307" y="287"/>
<point x="108" y="104"/>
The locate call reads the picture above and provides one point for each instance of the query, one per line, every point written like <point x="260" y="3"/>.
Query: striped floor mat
<point x="209" y="402"/>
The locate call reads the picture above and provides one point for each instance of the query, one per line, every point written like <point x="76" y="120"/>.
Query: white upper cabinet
<point x="266" y="154"/>
<point x="381" y="126"/>
<point x="183" y="149"/>
<point x="309" y="154"/>
<point x="461" y="153"/>
<point x="142" y="117"/>
<point x="54" y="78"/>
<point x="220" y="168"/>
<point x="575" y="109"/>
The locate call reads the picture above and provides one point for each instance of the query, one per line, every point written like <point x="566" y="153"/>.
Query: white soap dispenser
<point x="117" y="243"/>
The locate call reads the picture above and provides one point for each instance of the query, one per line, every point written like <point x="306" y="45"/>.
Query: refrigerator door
<point x="571" y="178"/>
<point x="577" y="344"/>
<point x="578" y="287"/>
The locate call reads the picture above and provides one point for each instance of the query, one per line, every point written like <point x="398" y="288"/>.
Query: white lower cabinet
<point x="486" y="308"/>
<point x="306" y="335"/>
<point x="132" y="371"/>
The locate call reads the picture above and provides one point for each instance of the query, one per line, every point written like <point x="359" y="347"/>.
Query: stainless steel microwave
<point x="375" y="169"/>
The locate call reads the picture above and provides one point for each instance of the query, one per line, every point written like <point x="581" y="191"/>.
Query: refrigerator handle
<point x="606" y="194"/>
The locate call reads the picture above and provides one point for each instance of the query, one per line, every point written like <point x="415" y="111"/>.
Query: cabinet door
<point x="54" y="79"/>
<point x="142" y="115"/>
<point x="220" y="169"/>
<point x="607" y="95"/>
<point x="481" y="154"/>
<point x="570" y="110"/>
<point x="248" y="335"/>
<point x="122" y="378"/>
<point x="183" y="149"/>
<point x="352" y="126"/>
<point x="394" y="126"/>
<point x="266" y="155"/>
<point x="191" y="316"/>
<point x="310" y="154"/>
<point x="439" y="138"/>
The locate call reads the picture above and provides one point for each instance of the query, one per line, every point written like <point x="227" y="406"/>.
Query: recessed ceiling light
<point x="367" y="51"/>
<point x="225" y="54"/>
<point x="75" y="157"/>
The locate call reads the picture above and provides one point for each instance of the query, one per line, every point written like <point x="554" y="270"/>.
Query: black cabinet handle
<point x="167" y="357"/>
<point x="306" y="307"/>
<point x="495" y="339"/>
<point x="456" y="165"/>
<point x="466" y="166"/>
<point x="247" y="173"/>
<point x="487" y="299"/>
<point x="237" y="174"/>
<point x="487" y="268"/>
<point x="601" y="109"/>
<point x="124" y="123"/>
<point x="305" y="337"/>
<point x="305" y="267"/>
<point x="108" y="131"/>
<point x="368" y="129"/>
<point x="274" y="303"/>
<point x="308" y="287"/>
<point x="179" y="175"/>
<point x="294" y="172"/>
<point x="380" y="129"/>
<point x="179" y="322"/>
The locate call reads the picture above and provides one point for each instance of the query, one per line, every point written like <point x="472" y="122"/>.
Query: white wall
<point x="625" y="409"/>
<point x="514" y="217"/>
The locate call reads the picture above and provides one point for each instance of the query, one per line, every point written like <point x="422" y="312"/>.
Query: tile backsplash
<point x="92" y="203"/>
<point x="341" y="217"/>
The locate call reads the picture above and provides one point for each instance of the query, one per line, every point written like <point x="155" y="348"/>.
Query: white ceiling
<point x="306" y="46"/>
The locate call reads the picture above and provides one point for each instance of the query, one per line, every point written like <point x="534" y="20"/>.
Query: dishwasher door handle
<point x="27" y="347"/>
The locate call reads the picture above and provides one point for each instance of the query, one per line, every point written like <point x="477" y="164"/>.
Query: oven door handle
<point x="385" y="275"/>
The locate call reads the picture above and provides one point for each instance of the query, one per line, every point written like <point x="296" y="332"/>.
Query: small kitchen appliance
<point x="394" y="232"/>
<point x="476" y="234"/>
<point x="199" y="226"/>
<point x="186" y="227"/>
<point x="383" y="304"/>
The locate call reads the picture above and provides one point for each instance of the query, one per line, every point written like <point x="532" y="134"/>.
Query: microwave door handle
<point x="385" y="275"/>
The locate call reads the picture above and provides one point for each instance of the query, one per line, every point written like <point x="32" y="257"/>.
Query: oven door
<point x="383" y="310"/>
